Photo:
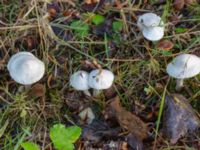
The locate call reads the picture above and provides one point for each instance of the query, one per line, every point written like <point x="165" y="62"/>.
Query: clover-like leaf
<point x="98" y="19"/>
<point x="117" y="26"/>
<point x="63" y="138"/>
<point x="80" y="28"/>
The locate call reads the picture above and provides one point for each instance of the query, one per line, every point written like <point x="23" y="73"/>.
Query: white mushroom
<point x="182" y="67"/>
<point x="100" y="79"/>
<point x="152" y="26"/>
<point x="25" y="68"/>
<point x="79" y="81"/>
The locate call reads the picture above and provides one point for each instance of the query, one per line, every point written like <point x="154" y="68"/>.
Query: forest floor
<point x="72" y="35"/>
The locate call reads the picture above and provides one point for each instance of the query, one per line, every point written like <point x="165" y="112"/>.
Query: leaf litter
<point x="179" y="118"/>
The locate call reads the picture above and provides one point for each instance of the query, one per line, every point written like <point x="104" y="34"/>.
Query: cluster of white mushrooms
<point x="152" y="26"/>
<point x="97" y="79"/>
<point x="26" y="69"/>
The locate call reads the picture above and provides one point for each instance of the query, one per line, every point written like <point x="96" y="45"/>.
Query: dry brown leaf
<point x="165" y="45"/>
<point x="178" y="4"/>
<point x="129" y="121"/>
<point x="38" y="90"/>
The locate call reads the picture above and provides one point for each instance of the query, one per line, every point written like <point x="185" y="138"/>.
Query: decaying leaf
<point x="179" y="118"/>
<point x="165" y="45"/>
<point x="128" y="121"/>
<point x="98" y="131"/>
<point x="178" y="4"/>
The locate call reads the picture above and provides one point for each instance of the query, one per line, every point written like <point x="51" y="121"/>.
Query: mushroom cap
<point x="152" y="26"/>
<point x="184" y="66"/>
<point x="154" y="33"/>
<point x="148" y="20"/>
<point x="79" y="80"/>
<point x="101" y="79"/>
<point x="25" y="68"/>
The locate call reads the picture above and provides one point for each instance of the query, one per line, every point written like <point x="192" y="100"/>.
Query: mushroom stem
<point x="87" y="92"/>
<point x="179" y="84"/>
<point x="96" y="92"/>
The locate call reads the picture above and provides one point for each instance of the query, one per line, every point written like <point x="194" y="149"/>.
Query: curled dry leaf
<point x="179" y="118"/>
<point x="128" y="121"/>
<point x="178" y="4"/>
<point x="38" y="90"/>
<point x="165" y="45"/>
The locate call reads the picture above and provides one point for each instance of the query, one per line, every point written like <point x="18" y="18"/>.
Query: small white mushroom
<point x="25" y="68"/>
<point x="87" y="115"/>
<point x="182" y="67"/>
<point x="152" y="26"/>
<point x="79" y="81"/>
<point x="100" y="79"/>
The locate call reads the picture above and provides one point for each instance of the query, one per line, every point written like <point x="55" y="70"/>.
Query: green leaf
<point x="117" y="26"/>
<point x="97" y="19"/>
<point x="180" y="30"/>
<point x="63" y="138"/>
<point x="30" y="146"/>
<point x="80" y="28"/>
<point x="74" y="133"/>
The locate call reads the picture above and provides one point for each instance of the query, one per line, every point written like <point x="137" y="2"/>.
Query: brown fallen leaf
<point x="178" y="4"/>
<point x="38" y="90"/>
<point x="179" y="118"/>
<point x="128" y="121"/>
<point x="165" y="45"/>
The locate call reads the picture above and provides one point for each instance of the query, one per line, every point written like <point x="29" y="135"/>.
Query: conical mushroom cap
<point x="152" y="26"/>
<point x="25" y="68"/>
<point x="184" y="66"/>
<point x="101" y="79"/>
<point x="79" y="80"/>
